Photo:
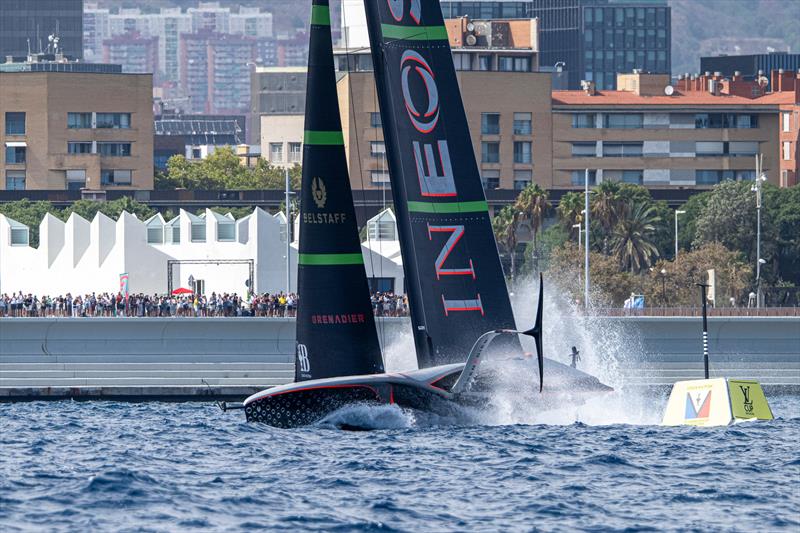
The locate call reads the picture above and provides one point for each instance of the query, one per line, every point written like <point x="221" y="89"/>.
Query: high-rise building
<point x="215" y="72"/>
<point x="25" y="26"/>
<point x="136" y="54"/>
<point x="591" y="39"/>
<point x="96" y="29"/>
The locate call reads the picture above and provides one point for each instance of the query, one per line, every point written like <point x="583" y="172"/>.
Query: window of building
<point x="15" y="123"/>
<point x="375" y="120"/>
<point x="633" y="176"/>
<point x="584" y="149"/>
<point x="76" y="179"/>
<point x="79" y="147"/>
<point x="20" y="236"/>
<point x="276" y="152"/>
<point x="484" y="62"/>
<point x="505" y="63"/>
<point x="295" y="152"/>
<point x="583" y="120"/>
<point x="198" y="230"/>
<point x="786" y="121"/>
<point x="630" y="149"/>
<point x="197" y="153"/>
<point x="462" y="61"/>
<point x="579" y="177"/>
<point x="522" y="178"/>
<point x="155" y="232"/>
<point x="490" y="179"/>
<point x="79" y="120"/>
<point x="709" y="148"/>
<point x="743" y="148"/>
<point x="725" y="120"/>
<point x="490" y="123"/>
<point x="382" y="229"/>
<point x="624" y="120"/>
<point x="113" y="120"/>
<point x="522" y="123"/>
<point x="226" y="231"/>
<point x="522" y="152"/>
<point x="114" y="149"/>
<point x="707" y="177"/>
<point x="379" y="176"/>
<point x="15" y="180"/>
<point x="490" y="152"/>
<point x="115" y="176"/>
<point x="522" y="64"/>
<point x="787" y="150"/>
<point x="15" y="155"/>
<point x="745" y="175"/>
<point x="377" y="149"/>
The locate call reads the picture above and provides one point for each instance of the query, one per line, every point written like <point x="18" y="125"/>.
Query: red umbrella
<point x="182" y="290"/>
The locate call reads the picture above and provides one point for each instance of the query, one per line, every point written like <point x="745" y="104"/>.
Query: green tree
<point x="604" y="205"/>
<point x="783" y="205"/>
<point x="30" y="214"/>
<point x="112" y="209"/>
<point x="504" y="225"/>
<point x="729" y="218"/>
<point x="632" y="237"/>
<point x="569" y="212"/>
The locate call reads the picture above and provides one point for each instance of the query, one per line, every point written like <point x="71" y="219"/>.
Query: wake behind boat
<point x="456" y="289"/>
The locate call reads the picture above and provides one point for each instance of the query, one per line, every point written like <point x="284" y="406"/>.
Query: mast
<point x="336" y="334"/>
<point x="454" y="279"/>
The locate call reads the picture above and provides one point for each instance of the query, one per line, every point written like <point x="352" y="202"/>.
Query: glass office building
<point x="24" y="22"/>
<point x="594" y="39"/>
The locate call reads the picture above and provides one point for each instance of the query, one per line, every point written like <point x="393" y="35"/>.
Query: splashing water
<point x="604" y="347"/>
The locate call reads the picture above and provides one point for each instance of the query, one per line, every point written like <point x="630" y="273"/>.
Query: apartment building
<point x="693" y="135"/>
<point x="215" y="72"/>
<point x="275" y="91"/>
<point x="74" y="127"/>
<point x="137" y="54"/>
<point x="507" y="103"/>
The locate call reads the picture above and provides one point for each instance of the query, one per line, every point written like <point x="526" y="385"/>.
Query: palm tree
<point x="532" y="205"/>
<point x="632" y="236"/>
<point x="504" y="225"/>
<point x="605" y="208"/>
<point x="569" y="211"/>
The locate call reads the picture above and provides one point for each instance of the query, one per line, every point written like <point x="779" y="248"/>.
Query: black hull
<point x="306" y="407"/>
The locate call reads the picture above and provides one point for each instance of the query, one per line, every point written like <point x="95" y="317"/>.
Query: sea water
<point x="603" y="466"/>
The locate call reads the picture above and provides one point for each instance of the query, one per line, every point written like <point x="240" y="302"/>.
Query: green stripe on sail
<point x="478" y="206"/>
<point x="331" y="259"/>
<point x="321" y="15"/>
<point x="323" y="137"/>
<point x="414" y="33"/>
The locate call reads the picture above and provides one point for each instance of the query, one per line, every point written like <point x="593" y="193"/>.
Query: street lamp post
<point x="677" y="212"/>
<point x="756" y="188"/>
<point x="579" y="227"/>
<point x="664" y="285"/>
<point x="586" y="243"/>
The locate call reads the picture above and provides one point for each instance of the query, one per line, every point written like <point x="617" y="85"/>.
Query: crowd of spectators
<point x="186" y="305"/>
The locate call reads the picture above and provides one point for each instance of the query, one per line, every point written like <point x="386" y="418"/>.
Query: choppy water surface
<point x="160" y="466"/>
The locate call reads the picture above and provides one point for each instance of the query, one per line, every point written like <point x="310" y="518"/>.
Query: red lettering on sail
<point x="451" y="306"/>
<point x="456" y="232"/>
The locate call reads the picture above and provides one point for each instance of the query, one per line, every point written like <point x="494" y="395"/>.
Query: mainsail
<point x="336" y="333"/>
<point x="454" y="278"/>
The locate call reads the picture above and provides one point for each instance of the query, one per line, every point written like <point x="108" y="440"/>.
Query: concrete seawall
<point x="179" y="358"/>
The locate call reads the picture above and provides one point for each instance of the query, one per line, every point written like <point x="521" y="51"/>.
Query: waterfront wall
<point x="247" y="354"/>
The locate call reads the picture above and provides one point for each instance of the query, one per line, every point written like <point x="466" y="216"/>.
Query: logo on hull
<point x="318" y="192"/>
